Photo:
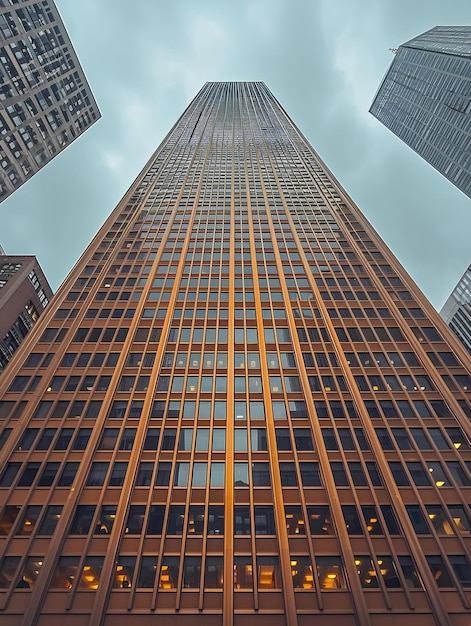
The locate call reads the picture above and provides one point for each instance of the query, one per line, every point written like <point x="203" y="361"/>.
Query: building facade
<point x="238" y="408"/>
<point x="425" y="100"/>
<point x="45" y="99"/>
<point x="457" y="310"/>
<point x="24" y="294"/>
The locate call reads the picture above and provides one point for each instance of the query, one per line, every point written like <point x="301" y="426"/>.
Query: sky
<point x="323" y="60"/>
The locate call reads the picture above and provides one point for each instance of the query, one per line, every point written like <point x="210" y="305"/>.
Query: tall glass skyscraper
<point x="457" y="310"/>
<point x="424" y="99"/>
<point x="238" y="408"/>
<point x="45" y="99"/>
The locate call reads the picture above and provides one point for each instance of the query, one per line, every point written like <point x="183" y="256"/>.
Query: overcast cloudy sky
<point x="323" y="60"/>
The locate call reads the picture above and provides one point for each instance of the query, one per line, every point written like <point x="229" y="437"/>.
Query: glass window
<point x="294" y="520"/>
<point x="169" y="572"/>
<point x="82" y="520"/>
<point x="366" y="572"/>
<point x="219" y="440"/>
<point x="288" y="474"/>
<point x="186" y="439"/>
<point x="303" y="439"/>
<point x="410" y="573"/>
<point x="163" y="474"/>
<point x="65" y="572"/>
<point x="310" y="474"/>
<point x="301" y="572"/>
<point x="398" y="473"/>
<point x="202" y="439"/>
<point x="118" y="474"/>
<point x="135" y="519"/>
<point x="320" y="521"/>
<point x="268" y="573"/>
<point x="30" y="572"/>
<point x="283" y="439"/>
<point x="217" y="474"/>
<point x="241" y="520"/>
<point x="68" y="474"/>
<point x="264" y="520"/>
<point x="418" y="520"/>
<point x="50" y="519"/>
<point x="387" y="569"/>
<point x="460" y="518"/>
<point x="462" y="569"/>
<point x="156" y="520"/>
<point x="373" y="525"/>
<point x="456" y="470"/>
<point x="330" y="572"/>
<point x="124" y="573"/>
<point x="257" y="410"/>
<point x="240" y="439"/>
<point x="357" y="474"/>
<point x="176" y="518"/>
<point x="338" y="471"/>
<point x="216" y="520"/>
<point x="241" y="475"/>
<point x="181" y="474"/>
<point x="147" y="571"/>
<point x="243" y="575"/>
<point x="91" y="573"/>
<point x="418" y="473"/>
<point x="199" y="474"/>
<point x="104" y="523"/>
<point x="390" y="519"/>
<point x="261" y="474"/>
<point x="439" y="571"/>
<point x="352" y="521"/>
<point x="97" y="474"/>
<point x="152" y="439"/>
<point x="214" y="572"/>
<point x="191" y="572"/>
<point x="8" y="567"/>
<point x="196" y="519"/>
<point x="169" y="438"/>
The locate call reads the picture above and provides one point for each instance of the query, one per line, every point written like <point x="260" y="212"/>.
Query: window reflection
<point x="301" y="571"/>
<point x="65" y="573"/>
<point x="169" y="572"/>
<point x="268" y="573"/>
<point x="124" y="573"/>
<point x="330" y="572"/>
<point x="31" y="572"/>
<point x="243" y="572"/>
<point x="192" y="572"/>
<point x="91" y="573"/>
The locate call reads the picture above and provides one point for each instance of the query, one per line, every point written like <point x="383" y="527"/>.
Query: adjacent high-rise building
<point x="457" y="310"/>
<point x="238" y="408"/>
<point x="45" y="99"/>
<point x="24" y="294"/>
<point x="424" y="99"/>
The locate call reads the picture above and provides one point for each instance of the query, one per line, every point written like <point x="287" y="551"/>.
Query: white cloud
<point x="114" y="162"/>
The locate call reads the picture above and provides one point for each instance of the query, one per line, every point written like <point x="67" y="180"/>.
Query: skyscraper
<point x="424" y="100"/>
<point x="457" y="310"/>
<point x="45" y="99"/>
<point x="24" y="294"/>
<point x="238" y="408"/>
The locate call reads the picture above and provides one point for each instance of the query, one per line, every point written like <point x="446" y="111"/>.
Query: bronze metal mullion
<point x="99" y="605"/>
<point x="362" y="613"/>
<point x="283" y="541"/>
<point x="439" y="610"/>
<point x="228" y="591"/>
